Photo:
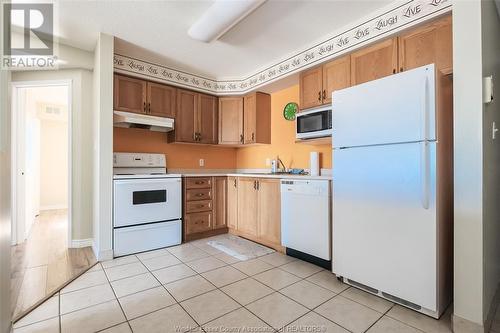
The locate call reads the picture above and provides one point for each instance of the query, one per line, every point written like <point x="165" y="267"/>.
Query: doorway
<point x="42" y="260"/>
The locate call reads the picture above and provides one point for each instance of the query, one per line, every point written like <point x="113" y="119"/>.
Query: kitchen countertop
<point x="259" y="175"/>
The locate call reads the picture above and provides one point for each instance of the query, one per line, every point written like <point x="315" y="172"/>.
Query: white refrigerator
<point x="392" y="189"/>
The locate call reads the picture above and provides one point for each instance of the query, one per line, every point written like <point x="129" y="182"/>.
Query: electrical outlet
<point x="202" y="162"/>
<point x="268" y="161"/>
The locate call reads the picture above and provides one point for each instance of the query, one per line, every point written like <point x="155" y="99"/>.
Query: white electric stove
<point x="147" y="204"/>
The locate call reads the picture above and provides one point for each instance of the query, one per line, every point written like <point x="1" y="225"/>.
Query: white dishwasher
<point x="306" y="219"/>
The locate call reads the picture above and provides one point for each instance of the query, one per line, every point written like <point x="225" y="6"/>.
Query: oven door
<point x="314" y="124"/>
<point x="139" y="201"/>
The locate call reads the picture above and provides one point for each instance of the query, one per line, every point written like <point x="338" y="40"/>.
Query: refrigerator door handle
<point x="425" y="110"/>
<point x="425" y="174"/>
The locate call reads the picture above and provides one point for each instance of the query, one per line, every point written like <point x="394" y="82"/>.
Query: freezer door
<point x="384" y="219"/>
<point x="397" y="108"/>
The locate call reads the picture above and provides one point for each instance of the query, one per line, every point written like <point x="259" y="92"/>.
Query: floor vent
<point x="362" y="286"/>
<point x="402" y="301"/>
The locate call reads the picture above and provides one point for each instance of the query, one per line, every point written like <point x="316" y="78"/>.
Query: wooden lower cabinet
<point x="204" y="207"/>
<point x="247" y="206"/>
<point x="220" y="206"/>
<point x="232" y="202"/>
<point x="259" y="211"/>
<point x="269" y="210"/>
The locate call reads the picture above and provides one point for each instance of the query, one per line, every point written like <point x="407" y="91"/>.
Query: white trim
<point x="15" y="239"/>
<point x="78" y="243"/>
<point x="379" y="25"/>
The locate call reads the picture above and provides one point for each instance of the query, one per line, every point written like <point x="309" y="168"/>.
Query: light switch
<point x="487" y="89"/>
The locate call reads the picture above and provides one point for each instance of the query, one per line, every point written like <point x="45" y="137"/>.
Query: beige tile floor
<point x="199" y="287"/>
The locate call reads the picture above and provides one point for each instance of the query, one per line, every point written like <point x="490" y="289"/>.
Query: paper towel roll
<point x="314" y="164"/>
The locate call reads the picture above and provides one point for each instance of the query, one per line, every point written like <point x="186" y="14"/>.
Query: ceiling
<point x="273" y="31"/>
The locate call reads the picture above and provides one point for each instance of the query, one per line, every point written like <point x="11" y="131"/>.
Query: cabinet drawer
<point x="198" y="222"/>
<point x="198" y="206"/>
<point x="198" y="194"/>
<point x="199" y="182"/>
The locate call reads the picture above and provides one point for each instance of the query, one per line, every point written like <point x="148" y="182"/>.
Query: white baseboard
<point x="105" y="255"/>
<point x="78" y="243"/>
<point x="461" y="325"/>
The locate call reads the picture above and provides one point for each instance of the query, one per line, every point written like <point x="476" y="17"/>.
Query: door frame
<point x="18" y="198"/>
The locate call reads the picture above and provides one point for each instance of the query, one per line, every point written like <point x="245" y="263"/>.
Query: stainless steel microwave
<point x="315" y="123"/>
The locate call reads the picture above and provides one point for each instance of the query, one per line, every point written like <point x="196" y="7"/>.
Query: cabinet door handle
<point x="241" y="138"/>
<point x="199" y="182"/>
<point x="149" y="107"/>
<point x="199" y="194"/>
<point x="258" y="185"/>
<point x="195" y="137"/>
<point x="199" y="136"/>
<point x="255" y="185"/>
<point x="324" y="94"/>
<point x="319" y="96"/>
<point x="145" y="110"/>
<point x="401" y="69"/>
<point x="253" y="136"/>
<point x="234" y="182"/>
<point x="394" y="71"/>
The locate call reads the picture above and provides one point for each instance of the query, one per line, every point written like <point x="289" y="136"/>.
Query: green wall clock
<point x="290" y="110"/>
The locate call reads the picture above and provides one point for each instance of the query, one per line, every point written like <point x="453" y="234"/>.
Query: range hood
<point x="135" y="120"/>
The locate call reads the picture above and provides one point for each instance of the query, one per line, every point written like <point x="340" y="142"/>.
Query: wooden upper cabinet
<point x="220" y="206"/>
<point x="161" y="100"/>
<point x="336" y="75"/>
<point x="269" y="210"/>
<point x="311" y="86"/>
<point x="231" y="120"/>
<point x="232" y="202"/>
<point x="247" y="206"/>
<point x="187" y="105"/>
<point x="129" y="94"/>
<point x="431" y="43"/>
<point x="374" y="62"/>
<point x="257" y="118"/>
<point x="206" y="119"/>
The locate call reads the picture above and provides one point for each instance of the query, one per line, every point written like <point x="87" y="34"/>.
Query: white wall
<point x="476" y="49"/>
<point x="490" y="24"/>
<point x="53" y="164"/>
<point x="47" y="145"/>
<point x="5" y="202"/>
<point x="81" y="138"/>
<point x="103" y="147"/>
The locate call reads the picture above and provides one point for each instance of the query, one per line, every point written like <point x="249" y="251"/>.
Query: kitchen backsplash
<point x="186" y="156"/>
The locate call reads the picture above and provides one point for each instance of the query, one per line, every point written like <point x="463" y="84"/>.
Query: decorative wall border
<point x="401" y="16"/>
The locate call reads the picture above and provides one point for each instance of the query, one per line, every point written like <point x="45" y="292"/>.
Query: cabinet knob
<point x="199" y="194"/>
<point x="145" y="111"/>
<point x="324" y="94"/>
<point x="149" y="107"/>
<point x="253" y="136"/>
<point x="401" y="69"/>
<point x="394" y="71"/>
<point x="319" y="96"/>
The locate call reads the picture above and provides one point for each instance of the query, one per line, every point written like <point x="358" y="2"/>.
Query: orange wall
<point x="183" y="156"/>
<point x="294" y="155"/>
<point x="179" y="156"/>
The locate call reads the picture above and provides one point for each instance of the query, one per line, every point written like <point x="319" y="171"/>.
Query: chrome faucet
<point x="279" y="161"/>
